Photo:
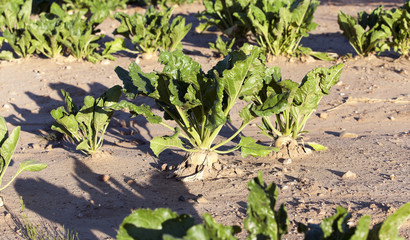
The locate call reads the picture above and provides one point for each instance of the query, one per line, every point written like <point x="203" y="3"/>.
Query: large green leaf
<point x="9" y="145"/>
<point x="159" y="144"/>
<point x="263" y="222"/>
<point x="390" y="227"/>
<point x="153" y="224"/>
<point x="138" y="110"/>
<point x="274" y="104"/>
<point x="249" y="147"/>
<point x="31" y="166"/>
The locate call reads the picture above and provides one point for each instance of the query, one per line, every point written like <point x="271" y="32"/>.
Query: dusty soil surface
<point x="364" y="122"/>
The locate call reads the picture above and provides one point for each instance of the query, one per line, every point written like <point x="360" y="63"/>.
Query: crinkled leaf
<point x="138" y="110"/>
<point x="159" y="144"/>
<point x="114" y="46"/>
<point x="249" y="147"/>
<point x="274" y="104"/>
<point x="263" y="221"/>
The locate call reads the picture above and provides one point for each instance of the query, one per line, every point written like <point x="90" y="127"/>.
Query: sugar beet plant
<point x="153" y="31"/>
<point x="365" y="34"/>
<point x="302" y="100"/>
<point x="14" y="24"/>
<point x="86" y="126"/>
<point x="279" y="26"/>
<point x="262" y="222"/>
<point x="398" y="22"/>
<point x="8" y="143"/>
<point x="199" y="103"/>
<point x="229" y="16"/>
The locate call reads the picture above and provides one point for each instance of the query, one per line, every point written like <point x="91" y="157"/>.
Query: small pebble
<point x="131" y="181"/>
<point x="1" y="202"/>
<point x="104" y="178"/>
<point x="348" y="135"/>
<point x="392" y="177"/>
<point x="181" y="198"/>
<point x="201" y="199"/>
<point x="323" y="115"/>
<point x="287" y="161"/>
<point x="349" y="175"/>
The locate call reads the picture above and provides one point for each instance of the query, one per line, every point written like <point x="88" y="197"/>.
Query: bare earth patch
<point x="364" y="122"/>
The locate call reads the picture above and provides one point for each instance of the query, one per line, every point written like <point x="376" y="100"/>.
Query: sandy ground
<point x="371" y="102"/>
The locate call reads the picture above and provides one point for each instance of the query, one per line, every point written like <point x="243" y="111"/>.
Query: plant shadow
<point x="98" y="206"/>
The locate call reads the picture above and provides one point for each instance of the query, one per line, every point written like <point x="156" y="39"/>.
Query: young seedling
<point x="200" y="104"/>
<point x="86" y="126"/>
<point x="8" y="144"/>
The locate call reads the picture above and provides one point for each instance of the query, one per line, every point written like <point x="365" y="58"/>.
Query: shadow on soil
<point x="101" y="206"/>
<point x="121" y="128"/>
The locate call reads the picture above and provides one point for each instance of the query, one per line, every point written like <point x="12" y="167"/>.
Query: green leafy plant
<point x="14" y="23"/>
<point x="398" y="22"/>
<point x="335" y="227"/>
<point x="229" y="16"/>
<point x="153" y="31"/>
<point x="263" y="222"/>
<point x="279" y="26"/>
<point x="222" y="47"/>
<point x="79" y="35"/>
<point x="365" y="34"/>
<point x="86" y="126"/>
<point x="8" y="144"/>
<point x="46" y="32"/>
<point x="200" y="104"/>
<point x="303" y="99"/>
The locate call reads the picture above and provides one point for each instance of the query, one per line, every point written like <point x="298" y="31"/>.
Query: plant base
<point x="290" y="149"/>
<point x="197" y="166"/>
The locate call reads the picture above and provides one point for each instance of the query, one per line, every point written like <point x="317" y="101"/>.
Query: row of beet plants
<point x="64" y="31"/>
<point x="200" y="104"/>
